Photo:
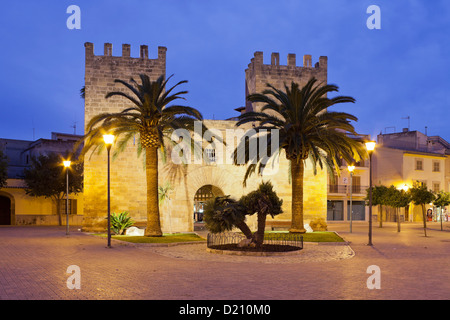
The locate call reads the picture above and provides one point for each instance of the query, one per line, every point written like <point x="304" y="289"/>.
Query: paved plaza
<point x="34" y="265"/>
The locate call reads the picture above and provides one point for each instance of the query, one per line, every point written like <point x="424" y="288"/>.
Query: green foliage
<point x="420" y="195"/>
<point x="378" y="195"/>
<point x="222" y="214"/>
<point x="442" y="199"/>
<point x="3" y="169"/>
<point x="306" y="127"/>
<point x="121" y="222"/>
<point x="150" y="112"/>
<point x="46" y="177"/>
<point x="396" y="198"/>
<point x="164" y="193"/>
<point x="263" y="200"/>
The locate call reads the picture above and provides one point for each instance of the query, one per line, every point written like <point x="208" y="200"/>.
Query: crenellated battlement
<point x="257" y="61"/>
<point x="258" y="74"/>
<point x="126" y="51"/>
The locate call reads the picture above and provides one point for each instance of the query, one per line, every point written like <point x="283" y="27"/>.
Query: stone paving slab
<point x="34" y="262"/>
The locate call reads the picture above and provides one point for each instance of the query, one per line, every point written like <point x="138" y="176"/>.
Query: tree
<point x="3" y="169"/>
<point x="379" y="199"/>
<point x="153" y="120"/>
<point x="83" y="92"/>
<point x="46" y="177"/>
<point x="442" y="200"/>
<point x="397" y="199"/>
<point x="420" y="195"/>
<point x="304" y="129"/>
<point x="224" y="213"/>
<point x="262" y="201"/>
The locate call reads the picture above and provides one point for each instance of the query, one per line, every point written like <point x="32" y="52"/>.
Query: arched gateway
<point x="205" y="193"/>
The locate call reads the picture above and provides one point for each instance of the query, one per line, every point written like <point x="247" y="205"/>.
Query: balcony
<point x="343" y="189"/>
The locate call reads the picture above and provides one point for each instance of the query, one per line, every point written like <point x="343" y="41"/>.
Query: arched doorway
<point x="205" y="193"/>
<point x="5" y="210"/>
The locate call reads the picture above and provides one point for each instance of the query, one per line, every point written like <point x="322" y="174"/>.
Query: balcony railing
<point x="338" y="188"/>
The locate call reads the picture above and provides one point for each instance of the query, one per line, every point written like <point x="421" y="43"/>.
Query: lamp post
<point x="350" y="169"/>
<point x="109" y="140"/>
<point x="67" y="166"/>
<point x="370" y="146"/>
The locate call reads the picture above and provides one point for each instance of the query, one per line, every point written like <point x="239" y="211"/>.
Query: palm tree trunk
<point x="245" y="229"/>
<point x="297" y="169"/>
<point x="261" y="228"/>
<point x="151" y="169"/>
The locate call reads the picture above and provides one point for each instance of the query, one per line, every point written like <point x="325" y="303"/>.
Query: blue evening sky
<point x="398" y="71"/>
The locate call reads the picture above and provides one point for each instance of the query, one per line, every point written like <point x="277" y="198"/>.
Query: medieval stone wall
<point x="128" y="188"/>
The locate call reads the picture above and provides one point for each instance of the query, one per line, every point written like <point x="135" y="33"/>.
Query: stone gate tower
<point x="128" y="188"/>
<point x="259" y="74"/>
<point x="190" y="184"/>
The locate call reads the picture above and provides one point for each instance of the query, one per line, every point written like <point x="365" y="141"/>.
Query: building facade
<point x="195" y="183"/>
<point x="404" y="158"/>
<point x="349" y="187"/>
<point x="18" y="208"/>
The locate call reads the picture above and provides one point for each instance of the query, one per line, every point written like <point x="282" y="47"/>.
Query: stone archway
<point x="203" y="194"/>
<point x="6" y="209"/>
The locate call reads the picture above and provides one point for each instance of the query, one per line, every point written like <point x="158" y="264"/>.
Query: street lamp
<point x="67" y="166"/>
<point x="109" y="140"/>
<point x="370" y="146"/>
<point x="350" y="169"/>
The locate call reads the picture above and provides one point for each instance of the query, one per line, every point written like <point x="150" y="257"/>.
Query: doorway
<point x="205" y="193"/>
<point x="5" y="211"/>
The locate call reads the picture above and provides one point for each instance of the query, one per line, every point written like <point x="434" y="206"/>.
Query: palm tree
<point x="150" y="117"/>
<point x="305" y="130"/>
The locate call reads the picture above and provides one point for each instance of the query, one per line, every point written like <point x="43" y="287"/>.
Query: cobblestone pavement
<point x="34" y="262"/>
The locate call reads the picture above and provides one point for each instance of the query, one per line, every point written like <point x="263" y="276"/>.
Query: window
<point x="211" y="155"/>
<point x="419" y="164"/>
<point x="358" y="209"/>
<point x="335" y="210"/>
<point x="360" y="163"/>
<point x="421" y="183"/>
<point x="333" y="184"/>
<point x="356" y="184"/>
<point x="436" y="166"/>
<point x="72" y="206"/>
<point x="436" y="187"/>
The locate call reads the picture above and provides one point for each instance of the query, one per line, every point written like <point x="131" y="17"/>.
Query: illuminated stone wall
<point x="128" y="188"/>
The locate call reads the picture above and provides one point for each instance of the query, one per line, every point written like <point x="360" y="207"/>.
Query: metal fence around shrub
<point x="276" y="240"/>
